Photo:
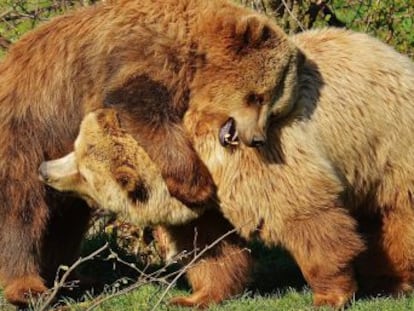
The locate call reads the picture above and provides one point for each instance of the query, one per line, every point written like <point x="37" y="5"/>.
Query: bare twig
<point x="144" y="279"/>
<point x="293" y="15"/>
<point x="190" y="264"/>
<point x="154" y="277"/>
<point x="4" y="43"/>
<point x="59" y="284"/>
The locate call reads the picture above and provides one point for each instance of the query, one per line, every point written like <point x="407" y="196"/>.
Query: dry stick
<point x="144" y="279"/>
<point x="151" y="277"/>
<point x="195" y="258"/>
<point x="132" y="266"/>
<point x="5" y="13"/>
<point x="293" y="15"/>
<point x="59" y="284"/>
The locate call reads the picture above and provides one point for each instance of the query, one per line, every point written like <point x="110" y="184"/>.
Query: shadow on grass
<point x="275" y="271"/>
<point x="106" y="273"/>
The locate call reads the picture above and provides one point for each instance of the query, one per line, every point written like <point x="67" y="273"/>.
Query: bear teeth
<point x="228" y="133"/>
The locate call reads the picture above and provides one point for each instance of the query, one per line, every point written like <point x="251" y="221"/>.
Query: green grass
<point x="277" y="285"/>
<point x="292" y="299"/>
<point x="146" y="297"/>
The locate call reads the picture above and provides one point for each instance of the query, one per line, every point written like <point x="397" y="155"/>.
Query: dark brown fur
<point x="49" y="80"/>
<point x="223" y="271"/>
<point x="151" y="60"/>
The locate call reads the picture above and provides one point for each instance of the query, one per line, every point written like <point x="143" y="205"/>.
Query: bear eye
<point x="255" y="99"/>
<point x="123" y="181"/>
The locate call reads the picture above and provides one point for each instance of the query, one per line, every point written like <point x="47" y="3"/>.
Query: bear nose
<point x="43" y="171"/>
<point x="257" y="141"/>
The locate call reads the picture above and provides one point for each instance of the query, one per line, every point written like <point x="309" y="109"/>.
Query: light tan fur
<point x="108" y="168"/>
<point x="339" y="164"/>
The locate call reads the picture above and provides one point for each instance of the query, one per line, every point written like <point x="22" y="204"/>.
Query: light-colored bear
<point x="334" y="184"/>
<point x="109" y="169"/>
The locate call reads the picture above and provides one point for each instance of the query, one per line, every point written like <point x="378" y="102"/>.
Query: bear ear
<point x="252" y="32"/>
<point x="109" y="121"/>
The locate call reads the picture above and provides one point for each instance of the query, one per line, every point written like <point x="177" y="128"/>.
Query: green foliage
<point x="392" y="21"/>
<point x="19" y="16"/>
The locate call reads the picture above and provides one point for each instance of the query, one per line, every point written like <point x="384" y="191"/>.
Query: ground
<point x="289" y="293"/>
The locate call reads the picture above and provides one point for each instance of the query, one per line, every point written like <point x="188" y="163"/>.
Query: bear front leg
<point x="152" y="113"/>
<point x="186" y="176"/>
<point x="324" y="246"/>
<point x="220" y="273"/>
<point x="168" y="145"/>
<point x="217" y="277"/>
<point x="23" y="218"/>
<point x="38" y="232"/>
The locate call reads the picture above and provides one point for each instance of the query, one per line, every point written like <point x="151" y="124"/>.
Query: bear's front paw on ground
<point x="21" y="290"/>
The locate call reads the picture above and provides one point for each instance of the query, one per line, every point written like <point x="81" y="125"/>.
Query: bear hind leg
<point x="222" y="271"/>
<point x="325" y="246"/>
<point x="388" y="264"/>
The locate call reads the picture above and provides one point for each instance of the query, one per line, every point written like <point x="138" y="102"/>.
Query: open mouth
<point x="228" y="133"/>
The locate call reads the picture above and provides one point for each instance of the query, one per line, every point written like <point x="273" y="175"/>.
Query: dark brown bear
<point x="150" y="60"/>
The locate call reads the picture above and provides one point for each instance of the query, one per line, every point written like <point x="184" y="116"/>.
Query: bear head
<point x="247" y="71"/>
<point x="110" y="170"/>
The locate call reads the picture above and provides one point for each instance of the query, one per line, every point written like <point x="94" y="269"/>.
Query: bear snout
<point x="257" y="141"/>
<point x="61" y="174"/>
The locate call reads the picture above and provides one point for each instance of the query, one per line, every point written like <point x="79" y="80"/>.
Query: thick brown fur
<point x="149" y="59"/>
<point x="334" y="184"/>
<point x="109" y="169"/>
<point x="222" y="272"/>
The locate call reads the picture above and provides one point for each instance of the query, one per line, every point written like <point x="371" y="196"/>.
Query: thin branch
<point x="293" y="15"/>
<point x="61" y="283"/>
<point x="143" y="280"/>
<point x="195" y="258"/>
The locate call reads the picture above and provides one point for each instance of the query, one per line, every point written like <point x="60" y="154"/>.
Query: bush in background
<point x="392" y="21"/>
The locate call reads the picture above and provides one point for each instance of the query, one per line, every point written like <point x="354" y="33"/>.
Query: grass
<point x="277" y="285"/>
<point x="291" y="299"/>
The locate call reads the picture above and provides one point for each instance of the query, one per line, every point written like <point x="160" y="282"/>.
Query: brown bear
<point x="149" y="59"/>
<point x="110" y="170"/>
<point x="334" y="183"/>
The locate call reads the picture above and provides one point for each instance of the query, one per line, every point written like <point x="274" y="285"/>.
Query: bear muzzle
<point x="59" y="173"/>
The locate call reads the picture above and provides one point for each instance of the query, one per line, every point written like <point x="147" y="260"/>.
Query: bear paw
<point x="196" y="300"/>
<point x="21" y="290"/>
<point x="334" y="300"/>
